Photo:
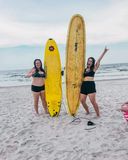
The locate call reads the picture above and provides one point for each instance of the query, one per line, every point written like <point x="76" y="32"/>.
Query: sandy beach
<point x="24" y="136"/>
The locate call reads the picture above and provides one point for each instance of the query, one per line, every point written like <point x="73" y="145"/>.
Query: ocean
<point x="105" y="72"/>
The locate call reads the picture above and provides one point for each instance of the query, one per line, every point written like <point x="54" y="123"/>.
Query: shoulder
<point x="33" y="70"/>
<point x="43" y="70"/>
<point x="85" y="69"/>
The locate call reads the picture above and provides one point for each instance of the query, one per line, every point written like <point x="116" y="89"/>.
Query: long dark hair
<point x="41" y="68"/>
<point x="93" y="63"/>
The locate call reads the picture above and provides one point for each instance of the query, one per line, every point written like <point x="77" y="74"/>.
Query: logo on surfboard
<point x="51" y="48"/>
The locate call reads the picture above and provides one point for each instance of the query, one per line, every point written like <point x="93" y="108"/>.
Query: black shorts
<point x="37" y="88"/>
<point x="88" y="87"/>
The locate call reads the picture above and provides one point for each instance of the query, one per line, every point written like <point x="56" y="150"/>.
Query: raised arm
<point x="30" y="73"/>
<point x="100" y="58"/>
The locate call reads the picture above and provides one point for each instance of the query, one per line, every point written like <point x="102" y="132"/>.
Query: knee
<point x="93" y="103"/>
<point x="82" y="100"/>
<point x="36" y="99"/>
<point x="43" y="99"/>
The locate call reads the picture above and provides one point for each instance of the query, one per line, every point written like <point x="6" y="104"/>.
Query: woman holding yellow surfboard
<point x="88" y="84"/>
<point x="38" y="87"/>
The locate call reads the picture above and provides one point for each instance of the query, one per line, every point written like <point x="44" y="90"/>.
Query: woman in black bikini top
<point x="88" y="85"/>
<point x="38" y="84"/>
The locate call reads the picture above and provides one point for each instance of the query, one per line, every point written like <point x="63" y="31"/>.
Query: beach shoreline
<point x="117" y="79"/>
<point x="26" y="136"/>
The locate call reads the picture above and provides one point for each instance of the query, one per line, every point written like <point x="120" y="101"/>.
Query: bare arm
<point x="30" y="73"/>
<point x="100" y="58"/>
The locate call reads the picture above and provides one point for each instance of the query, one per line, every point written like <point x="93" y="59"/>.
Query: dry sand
<point x="24" y="136"/>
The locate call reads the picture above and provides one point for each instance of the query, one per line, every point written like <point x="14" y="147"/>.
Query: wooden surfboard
<point x="53" y="82"/>
<point x="75" y="62"/>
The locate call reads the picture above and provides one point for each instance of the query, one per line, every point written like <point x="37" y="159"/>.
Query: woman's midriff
<point x="38" y="81"/>
<point x="89" y="79"/>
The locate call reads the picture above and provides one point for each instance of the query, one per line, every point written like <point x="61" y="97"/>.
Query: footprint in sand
<point x="27" y="142"/>
<point x="48" y="148"/>
<point x="11" y="148"/>
<point x="23" y="132"/>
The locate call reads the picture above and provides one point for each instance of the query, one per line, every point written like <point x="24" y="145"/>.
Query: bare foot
<point x="46" y="112"/>
<point x="87" y="113"/>
<point x="36" y="114"/>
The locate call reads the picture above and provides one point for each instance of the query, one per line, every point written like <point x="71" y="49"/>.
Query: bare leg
<point x="36" y="100"/>
<point x="92" y="98"/>
<point x="83" y="102"/>
<point x="42" y="96"/>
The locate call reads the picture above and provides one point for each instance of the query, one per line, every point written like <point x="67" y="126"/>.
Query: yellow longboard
<point x="53" y="82"/>
<point x="75" y="62"/>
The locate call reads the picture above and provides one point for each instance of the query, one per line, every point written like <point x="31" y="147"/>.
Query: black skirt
<point x="88" y="87"/>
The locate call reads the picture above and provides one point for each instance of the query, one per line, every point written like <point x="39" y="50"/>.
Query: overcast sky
<point x="25" y="26"/>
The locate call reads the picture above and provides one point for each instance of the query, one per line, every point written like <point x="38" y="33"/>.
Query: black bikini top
<point x="90" y="73"/>
<point x="38" y="75"/>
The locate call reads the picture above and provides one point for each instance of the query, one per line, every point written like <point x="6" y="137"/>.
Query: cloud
<point x="16" y="33"/>
<point x="105" y="25"/>
<point x="109" y="25"/>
